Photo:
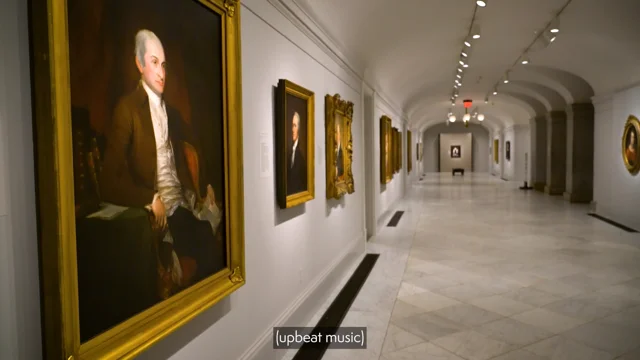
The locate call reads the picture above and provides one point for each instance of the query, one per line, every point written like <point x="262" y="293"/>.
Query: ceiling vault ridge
<point x="319" y="36"/>
<point x="523" y="55"/>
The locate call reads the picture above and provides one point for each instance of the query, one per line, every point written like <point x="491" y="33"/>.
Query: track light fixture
<point x="480" y="117"/>
<point x="506" y="79"/>
<point x="524" y="61"/>
<point x="467" y="41"/>
<point x="475" y="31"/>
<point x="459" y="70"/>
<point x="458" y="76"/>
<point x="495" y="92"/>
<point x="555" y="26"/>
<point x="482" y="3"/>
<point x="452" y="118"/>
<point x="486" y="100"/>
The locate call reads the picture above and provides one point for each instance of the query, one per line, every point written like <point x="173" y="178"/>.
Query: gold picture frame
<point x="295" y="109"/>
<point x="496" y="151"/>
<point x="339" y="143"/>
<point x="409" y="160"/>
<point x="394" y="150"/>
<point x="631" y="145"/>
<point x="52" y="82"/>
<point x="398" y="150"/>
<point x="386" y="150"/>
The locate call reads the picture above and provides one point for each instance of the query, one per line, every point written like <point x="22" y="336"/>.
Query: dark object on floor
<point x="611" y="222"/>
<point x="334" y="315"/>
<point x="457" y="170"/>
<point x="526" y="186"/>
<point x="395" y="219"/>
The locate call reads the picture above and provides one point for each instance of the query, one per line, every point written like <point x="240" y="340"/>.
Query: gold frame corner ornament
<point x="57" y="234"/>
<point x="287" y="87"/>
<point x="631" y="123"/>
<point x="231" y="5"/>
<point x="334" y="107"/>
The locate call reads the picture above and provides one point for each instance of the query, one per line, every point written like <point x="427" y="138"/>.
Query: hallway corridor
<point x="478" y="269"/>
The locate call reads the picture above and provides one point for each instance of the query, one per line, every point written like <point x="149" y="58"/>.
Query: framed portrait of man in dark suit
<point x="295" y="144"/>
<point x="339" y="146"/>
<point x="139" y="131"/>
<point x="456" y="151"/>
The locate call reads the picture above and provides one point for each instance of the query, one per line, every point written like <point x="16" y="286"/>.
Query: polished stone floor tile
<point x="532" y="296"/>
<point x="513" y="332"/>
<point x="429" y="326"/>
<point x="473" y="345"/>
<point x="397" y="338"/>
<point x="548" y="320"/>
<point x="561" y="348"/>
<point x="421" y="351"/>
<point x="501" y="305"/>
<point x="467" y="315"/>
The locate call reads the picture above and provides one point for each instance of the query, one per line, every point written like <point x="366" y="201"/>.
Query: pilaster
<point x="556" y="152"/>
<point x="540" y="165"/>
<point x="580" y="144"/>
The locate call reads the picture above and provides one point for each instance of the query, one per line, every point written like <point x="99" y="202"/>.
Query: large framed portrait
<point x="139" y="155"/>
<point x="507" y="150"/>
<point x="294" y="144"/>
<point x="339" y="116"/>
<point x="394" y="150"/>
<point x="386" y="150"/>
<point x="496" y="153"/>
<point x="631" y="145"/>
<point x="398" y="150"/>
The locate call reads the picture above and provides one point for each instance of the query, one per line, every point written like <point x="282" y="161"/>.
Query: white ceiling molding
<point x="291" y="10"/>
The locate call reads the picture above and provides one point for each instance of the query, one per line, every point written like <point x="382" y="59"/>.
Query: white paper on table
<point x="108" y="211"/>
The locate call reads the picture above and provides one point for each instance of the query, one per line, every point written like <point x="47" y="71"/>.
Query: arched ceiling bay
<point x="409" y="52"/>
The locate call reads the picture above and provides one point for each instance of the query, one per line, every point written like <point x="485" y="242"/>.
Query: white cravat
<point x="169" y="187"/>
<point x="293" y="153"/>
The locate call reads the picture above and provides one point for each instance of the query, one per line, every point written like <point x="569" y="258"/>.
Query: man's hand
<point x="159" y="214"/>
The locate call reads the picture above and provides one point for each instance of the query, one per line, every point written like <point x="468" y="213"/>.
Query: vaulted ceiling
<point x="409" y="51"/>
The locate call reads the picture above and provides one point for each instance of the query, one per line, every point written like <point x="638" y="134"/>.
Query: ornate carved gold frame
<point x="287" y="87"/>
<point x="342" y="110"/>
<point x="52" y="121"/>
<point x="386" y="150"/>
<point x="632" y="122"/>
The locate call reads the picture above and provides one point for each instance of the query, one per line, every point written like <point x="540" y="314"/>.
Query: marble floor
<point x="477" y="269"/>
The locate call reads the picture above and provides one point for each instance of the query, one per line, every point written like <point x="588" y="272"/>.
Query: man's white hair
<point x="142" y="36"/>
<point x="296" y="116"/>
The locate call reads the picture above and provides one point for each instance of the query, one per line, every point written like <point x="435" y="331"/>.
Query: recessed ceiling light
<point x="481" y="3"/>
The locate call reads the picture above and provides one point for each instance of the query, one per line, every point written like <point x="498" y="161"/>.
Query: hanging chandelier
<point x="466" y="118"/>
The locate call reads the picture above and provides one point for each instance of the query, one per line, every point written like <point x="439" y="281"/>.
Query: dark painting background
<point x="116" y="264"/>
<point x="296" y="104"/>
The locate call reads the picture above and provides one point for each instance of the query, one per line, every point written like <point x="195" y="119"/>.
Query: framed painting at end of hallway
<point x="631" y="145"/>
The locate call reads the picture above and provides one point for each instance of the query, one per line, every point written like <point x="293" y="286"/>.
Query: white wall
<point x="287" y="251"/>
<point x="481" y="154"/>
<point x="388" y="194"/>
<point x="19" y="286"/>
<point x="615" y="191"/>
<point x="448" y="163"/>
<point x="520" y="138"/>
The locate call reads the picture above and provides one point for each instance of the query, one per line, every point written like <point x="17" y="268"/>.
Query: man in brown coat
<point x="145" y="166"/>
